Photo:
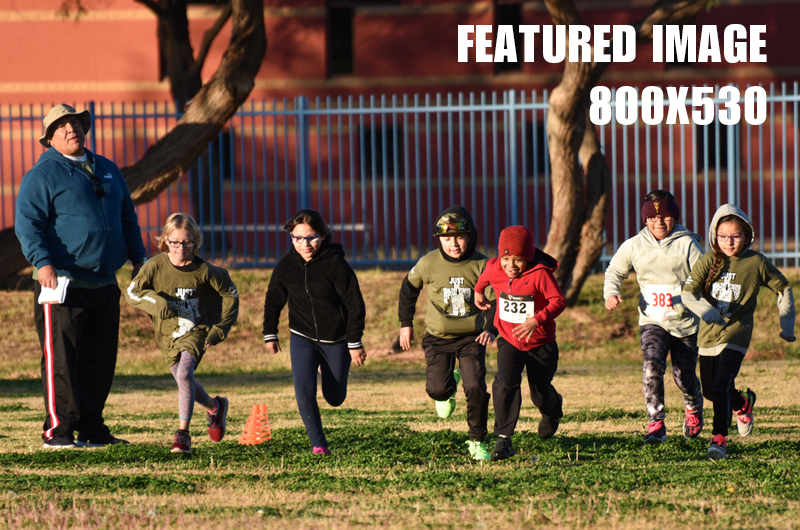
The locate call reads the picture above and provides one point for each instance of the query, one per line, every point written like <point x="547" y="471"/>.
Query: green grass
<point x="395" y="464"/>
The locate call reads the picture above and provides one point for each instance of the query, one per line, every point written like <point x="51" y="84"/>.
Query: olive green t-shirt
<point x="733" y="294"/>
<point x="188" y="308"/>
<point x="451" y="310"/>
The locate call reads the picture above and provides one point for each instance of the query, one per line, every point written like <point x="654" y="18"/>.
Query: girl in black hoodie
<point x="326" y="318"/>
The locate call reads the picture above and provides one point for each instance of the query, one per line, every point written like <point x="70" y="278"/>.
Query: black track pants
<point x="79" y="341"/>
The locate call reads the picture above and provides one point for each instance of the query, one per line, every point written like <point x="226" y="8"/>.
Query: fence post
<point x="93" y="137"/>
<point x="512" y="179"/>
<point x="303" y="177"/>
<point x="733" y="170"/>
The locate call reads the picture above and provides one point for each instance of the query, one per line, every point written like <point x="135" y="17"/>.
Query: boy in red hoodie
<point x="528" y="301"/>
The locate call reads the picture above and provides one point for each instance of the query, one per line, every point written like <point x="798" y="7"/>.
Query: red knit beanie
<point x="516" y="241"/>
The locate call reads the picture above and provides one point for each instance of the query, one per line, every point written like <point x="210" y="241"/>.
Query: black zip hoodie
<point x="325" y="302"/>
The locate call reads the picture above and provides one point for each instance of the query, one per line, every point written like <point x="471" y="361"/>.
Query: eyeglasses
<point x="734" y="238"/>
<point x="665" y="218"/>
<point x="308" y="239"/>
<point x="99" y="190"/>
<point x="178" y="244"/>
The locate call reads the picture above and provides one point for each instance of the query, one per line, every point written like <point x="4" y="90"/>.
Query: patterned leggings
<point x="189" y="390"/>
<point x="657" y="343"/>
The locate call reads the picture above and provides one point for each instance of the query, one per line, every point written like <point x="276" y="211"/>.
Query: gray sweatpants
<point x="657" y="343"/>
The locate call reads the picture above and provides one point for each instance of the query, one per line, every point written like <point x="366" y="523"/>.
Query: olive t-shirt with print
<point x="189" y="308"/>
<point x="733" y="294"/>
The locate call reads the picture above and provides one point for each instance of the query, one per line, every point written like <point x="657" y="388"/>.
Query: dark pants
<point x="79" y="341"/>
<point x="657" y="343"/>
<point x="333" y="360"/>
<point x="540" y="364"/>
<point x="440" y="356"/>
<point x="718" y="375"/>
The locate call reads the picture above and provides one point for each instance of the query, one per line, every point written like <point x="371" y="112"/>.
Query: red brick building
<point x="342" y="47"/>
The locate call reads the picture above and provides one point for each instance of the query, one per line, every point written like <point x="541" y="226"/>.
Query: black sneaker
<point x="548" y="425"/>
<point x="503" y="449"/>
<point x="99" y="441"/>
<point x="59" y="442"/>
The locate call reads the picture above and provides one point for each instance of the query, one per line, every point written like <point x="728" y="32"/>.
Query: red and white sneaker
<point x="744" y="416"/>
<point x="217" y="421"/>
<point x="656" y="432"/>
<point x="183" y="443"/>
<point x="693" y="424"/>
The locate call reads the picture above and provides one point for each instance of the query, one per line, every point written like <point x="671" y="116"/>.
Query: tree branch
<point x="210" y="35"/>
<point x="209" y="110"/>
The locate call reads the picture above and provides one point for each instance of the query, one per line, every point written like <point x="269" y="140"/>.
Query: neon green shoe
<point x="445" y="408"/>
<point x="478" y="450"/>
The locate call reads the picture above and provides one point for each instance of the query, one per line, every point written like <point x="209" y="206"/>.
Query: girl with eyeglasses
<point x="722" y="290"/>
<point x="193" y="305"/>
<point x="661" y="255"/>
<point x="326" y="318"/>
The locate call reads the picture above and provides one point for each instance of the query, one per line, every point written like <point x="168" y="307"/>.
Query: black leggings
<point x="718" y="375"/>
<point x="333" y="360"/>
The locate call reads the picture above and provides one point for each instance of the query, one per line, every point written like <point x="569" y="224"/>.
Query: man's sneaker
<point x="693" y="423"/>
<point x="321" y="451"/>
<point x="183" y="442"/>
<point x="59" y="442"/>
<point x="656" y="432"/>
<point x="719" y="448"/>
<point x="445" y="408"/>
<point x="478" y="451"/>
<point x="548" y="425"/>
<point x="744" y="416"/>
<point x="503" y="449"/>
<point x="216" y="421"/>
<point x="99" y="441"/>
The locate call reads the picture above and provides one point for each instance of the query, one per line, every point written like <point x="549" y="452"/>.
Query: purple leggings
<point x="189" y="390"/>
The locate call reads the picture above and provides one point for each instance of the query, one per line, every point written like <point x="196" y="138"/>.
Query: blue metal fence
<point x="381" y="168"/>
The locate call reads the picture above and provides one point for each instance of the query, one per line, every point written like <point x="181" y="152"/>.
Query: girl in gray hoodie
<point x="722" y="290"/>
<point x="662" y="255"/>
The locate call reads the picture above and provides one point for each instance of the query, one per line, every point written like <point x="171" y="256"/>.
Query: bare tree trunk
<point x="598" y="184"/>
<point x="209" y="110"/>
<point x="580" y="197"/>
<point x="205" y="116"/>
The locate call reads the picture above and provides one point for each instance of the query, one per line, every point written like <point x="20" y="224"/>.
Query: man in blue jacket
<point x="75" y="219"/>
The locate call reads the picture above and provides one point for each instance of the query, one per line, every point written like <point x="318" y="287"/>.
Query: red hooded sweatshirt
<point x="535" y="290"/>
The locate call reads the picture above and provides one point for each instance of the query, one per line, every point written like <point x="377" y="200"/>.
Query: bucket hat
<point x="58" y="112"/>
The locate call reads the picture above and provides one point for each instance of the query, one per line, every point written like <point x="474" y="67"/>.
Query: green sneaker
<point x="445" y="408"/>
<point x="478" y="450"/>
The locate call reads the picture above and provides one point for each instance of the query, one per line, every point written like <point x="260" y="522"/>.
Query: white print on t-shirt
<point x="726" y="292"/>
<point x="186" y="309"/>
<point x="458" y="297"/>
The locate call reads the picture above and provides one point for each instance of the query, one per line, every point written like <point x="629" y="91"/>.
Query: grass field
<point x="395" y="464"/>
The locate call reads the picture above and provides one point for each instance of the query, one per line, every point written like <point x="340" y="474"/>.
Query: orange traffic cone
<point x="257" y="429"/>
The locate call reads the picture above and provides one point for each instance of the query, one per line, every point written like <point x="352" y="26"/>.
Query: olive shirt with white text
<point x="188" y="308"/>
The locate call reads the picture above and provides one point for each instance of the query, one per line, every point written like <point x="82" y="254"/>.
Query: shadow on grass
<point x="26" y="387"/>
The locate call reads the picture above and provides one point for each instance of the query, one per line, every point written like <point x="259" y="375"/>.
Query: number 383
<point x="662" y="300"/>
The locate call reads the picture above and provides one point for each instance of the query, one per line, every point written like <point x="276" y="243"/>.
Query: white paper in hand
<point x="57" y="295"/>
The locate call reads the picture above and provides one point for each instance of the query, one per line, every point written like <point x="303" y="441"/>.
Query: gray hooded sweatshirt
<point x="661" y="268"/>
<point x="727" y="309"/>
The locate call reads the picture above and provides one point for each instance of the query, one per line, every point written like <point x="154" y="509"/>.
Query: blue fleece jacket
<point x="61" y="222"/>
